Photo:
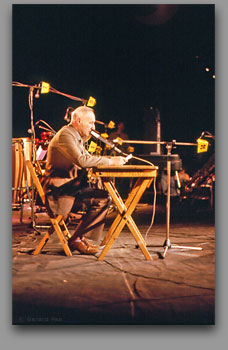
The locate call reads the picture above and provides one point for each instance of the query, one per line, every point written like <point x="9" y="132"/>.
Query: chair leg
<point x="42" y="243"/>
<point x="65" y="229"/>
<point x="62" y="233"/>
<point x="61" y="236"/>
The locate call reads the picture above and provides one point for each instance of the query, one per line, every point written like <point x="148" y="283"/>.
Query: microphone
<point x="37" y="95"/>
<point x="67" y="116"/>
<point x="109" y="143"/>
<point x="38" y="87"/>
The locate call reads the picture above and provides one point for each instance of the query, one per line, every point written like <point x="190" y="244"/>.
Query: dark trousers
<point x="95" y="204"/>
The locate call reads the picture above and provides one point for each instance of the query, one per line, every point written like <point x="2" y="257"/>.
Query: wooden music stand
<point x="145" y="175"/>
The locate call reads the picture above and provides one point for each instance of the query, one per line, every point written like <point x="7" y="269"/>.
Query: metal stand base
<point x="167" y="245"/>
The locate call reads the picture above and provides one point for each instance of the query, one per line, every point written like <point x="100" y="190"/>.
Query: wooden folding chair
<point x="58" y="224"/>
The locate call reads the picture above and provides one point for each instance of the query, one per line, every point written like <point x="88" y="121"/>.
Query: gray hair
<point x="81" y="111"/>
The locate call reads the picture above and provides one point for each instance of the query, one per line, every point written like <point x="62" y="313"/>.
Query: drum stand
<point x="22" y="189"/>
<point x="27" y="189"/>
<point x="167" y="244"/>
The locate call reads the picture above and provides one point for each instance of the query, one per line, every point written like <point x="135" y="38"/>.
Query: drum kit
<point x="23" y="149"/>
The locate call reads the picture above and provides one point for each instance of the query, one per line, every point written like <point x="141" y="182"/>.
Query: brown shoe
<point x="83" y="248"/>
<point x="85" y="240"/>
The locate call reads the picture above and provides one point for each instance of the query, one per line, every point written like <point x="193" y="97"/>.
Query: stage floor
<point x="125" y="288"/>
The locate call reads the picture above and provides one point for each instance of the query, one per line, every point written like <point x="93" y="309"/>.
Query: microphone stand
<point x="32" y="132"/>
<point x="33" y="158"/>
<point x="33" y="136"/>
<point x="169" y="145"/>
<point x="167" y="244"/>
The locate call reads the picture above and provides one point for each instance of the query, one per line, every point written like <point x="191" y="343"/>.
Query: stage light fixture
<point x="91" y="102"/>
<point x="45" y="87"/>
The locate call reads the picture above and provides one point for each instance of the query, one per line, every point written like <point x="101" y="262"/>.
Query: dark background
<point x="129" y="57"/>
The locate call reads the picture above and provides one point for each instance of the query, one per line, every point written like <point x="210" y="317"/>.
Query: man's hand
<point x="118" y="160"/>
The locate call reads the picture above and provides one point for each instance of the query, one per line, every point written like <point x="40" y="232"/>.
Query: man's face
<point x="87" y="124"/>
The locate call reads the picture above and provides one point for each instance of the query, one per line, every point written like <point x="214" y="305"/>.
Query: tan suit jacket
<point x="66" y="155"/>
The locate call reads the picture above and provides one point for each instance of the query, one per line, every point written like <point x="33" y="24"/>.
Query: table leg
<point x="121" y="206"/>
<point x="124" y="216"/>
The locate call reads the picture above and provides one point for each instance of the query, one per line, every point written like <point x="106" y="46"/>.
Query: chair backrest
<point x="36" y="180"/>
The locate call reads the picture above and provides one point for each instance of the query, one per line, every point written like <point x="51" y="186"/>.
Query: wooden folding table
<point x="145" y="175"/>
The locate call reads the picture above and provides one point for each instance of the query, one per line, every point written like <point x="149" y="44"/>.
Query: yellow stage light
<point x="202" y="146"/>
<point x="92" y="147"/>
<point x="91" y="102"/>
<point x="45" y="87"/>
<point x="111" y="124"/>
<point x="104" y="135"/>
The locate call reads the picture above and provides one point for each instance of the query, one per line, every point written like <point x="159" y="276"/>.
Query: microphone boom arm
<point x="107" y="142"/>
